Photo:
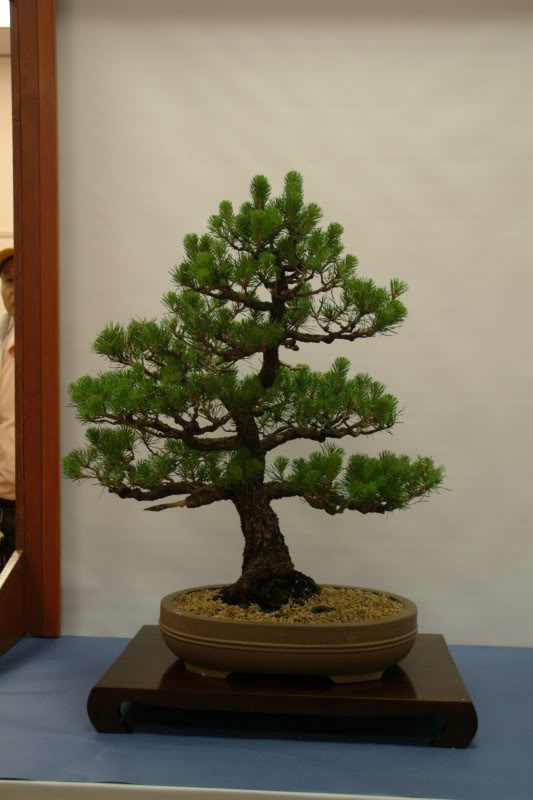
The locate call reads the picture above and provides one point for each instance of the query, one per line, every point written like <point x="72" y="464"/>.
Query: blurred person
<point x="7" y="406"/>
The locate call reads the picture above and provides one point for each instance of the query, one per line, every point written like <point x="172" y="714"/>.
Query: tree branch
<point x="160" y="429"/>
<point x="199" y="494"/>
<point x="227" y="293"/>
<point x="276" y="490"/>
<point x="333" y="502"/>
<point x="277" y="438"/>
<point x="146" y="495"/>
<point x="345" y="333"/>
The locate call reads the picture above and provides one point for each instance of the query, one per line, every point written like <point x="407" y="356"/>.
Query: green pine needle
<point x="181" y="392"/>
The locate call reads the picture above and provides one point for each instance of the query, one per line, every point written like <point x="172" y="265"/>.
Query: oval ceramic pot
<point x="345" y="652"/>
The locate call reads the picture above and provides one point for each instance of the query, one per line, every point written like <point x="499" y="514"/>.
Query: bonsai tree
<point x="196" y="404"/>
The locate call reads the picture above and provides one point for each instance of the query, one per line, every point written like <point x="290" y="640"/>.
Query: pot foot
<point x="205" y="671"/>
<point x="368" y="676"/>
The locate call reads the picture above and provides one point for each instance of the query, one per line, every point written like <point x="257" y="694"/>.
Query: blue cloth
<point x="45" y="734"/>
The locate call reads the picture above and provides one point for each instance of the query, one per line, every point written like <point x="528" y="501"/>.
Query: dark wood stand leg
<point x="460" y="726"/>
<point x="104" y="709"/>
<point x="425" y="685"/>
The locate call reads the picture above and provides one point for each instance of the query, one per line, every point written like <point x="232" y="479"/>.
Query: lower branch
<point x="199" y="494"/>
<point x="333" y="502"/>
<point x="164" y="506"/>
<point x="203" y="497"/>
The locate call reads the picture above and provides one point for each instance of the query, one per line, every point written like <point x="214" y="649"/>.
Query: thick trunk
<point x="268" y="576"/>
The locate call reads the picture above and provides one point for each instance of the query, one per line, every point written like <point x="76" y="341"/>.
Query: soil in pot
<point x="334" y="604"/>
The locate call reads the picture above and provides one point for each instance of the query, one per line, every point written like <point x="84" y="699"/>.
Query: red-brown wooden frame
<point x="33" y="59"/>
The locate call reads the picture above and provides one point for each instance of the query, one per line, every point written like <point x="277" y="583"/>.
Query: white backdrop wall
<point x="411" y="128"/>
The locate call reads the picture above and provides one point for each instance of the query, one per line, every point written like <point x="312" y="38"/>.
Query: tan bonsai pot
<point x="345" y="652"/>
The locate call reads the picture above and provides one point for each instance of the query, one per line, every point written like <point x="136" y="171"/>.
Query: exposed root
<point x="270" y="592"/>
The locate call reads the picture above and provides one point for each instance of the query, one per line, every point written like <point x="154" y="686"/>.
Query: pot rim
<point x="408" y="610"/>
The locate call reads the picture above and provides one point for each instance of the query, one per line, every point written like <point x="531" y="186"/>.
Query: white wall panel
<point x="412" y="129"/>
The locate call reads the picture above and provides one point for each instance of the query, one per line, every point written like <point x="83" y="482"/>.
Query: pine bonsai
<point x="195" y="403"/>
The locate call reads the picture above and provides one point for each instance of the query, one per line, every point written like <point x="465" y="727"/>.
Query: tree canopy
<point x="195" y="402"/>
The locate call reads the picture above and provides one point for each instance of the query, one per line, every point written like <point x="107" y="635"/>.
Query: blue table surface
<point x="45" y="734"/>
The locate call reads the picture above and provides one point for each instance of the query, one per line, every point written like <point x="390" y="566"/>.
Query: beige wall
<point x="6" y="155"/>
<point x="413" y="129"/>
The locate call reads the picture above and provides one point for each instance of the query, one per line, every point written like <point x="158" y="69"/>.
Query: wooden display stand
<point x="425" y="687"/>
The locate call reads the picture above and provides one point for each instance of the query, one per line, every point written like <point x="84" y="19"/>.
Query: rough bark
<point x="268" y="575"/>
